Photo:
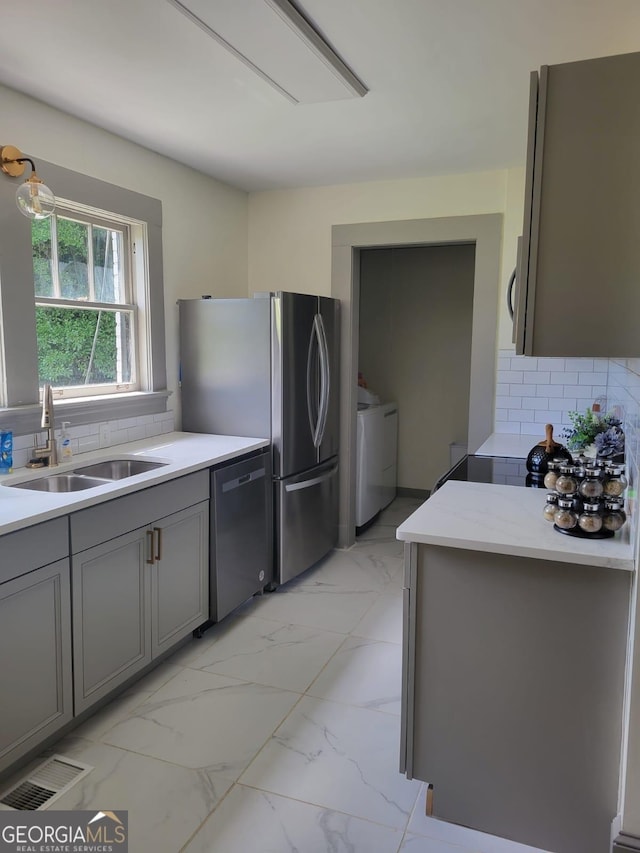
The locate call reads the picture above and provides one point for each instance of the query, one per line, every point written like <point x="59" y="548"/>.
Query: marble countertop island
<point x="507" y="520"/>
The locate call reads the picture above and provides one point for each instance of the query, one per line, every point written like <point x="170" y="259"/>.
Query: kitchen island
<point x="514" y="667"/>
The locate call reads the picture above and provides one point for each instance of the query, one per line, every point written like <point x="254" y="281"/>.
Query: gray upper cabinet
<point x="35" y="638"/>
<point x="578" y="271"/>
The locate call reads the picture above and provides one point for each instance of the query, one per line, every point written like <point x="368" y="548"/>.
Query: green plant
<point x="585" y="427"/>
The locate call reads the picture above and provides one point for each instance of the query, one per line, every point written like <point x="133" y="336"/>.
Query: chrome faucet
<point x="50" y="450"/>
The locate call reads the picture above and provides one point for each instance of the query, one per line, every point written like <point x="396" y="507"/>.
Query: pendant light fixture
<point x="34" y="199"/>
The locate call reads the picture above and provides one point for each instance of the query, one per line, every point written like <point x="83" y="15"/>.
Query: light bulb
<point x="34" y="199"/>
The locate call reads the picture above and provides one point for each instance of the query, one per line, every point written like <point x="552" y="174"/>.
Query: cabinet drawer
<point x="28" y="549"/>
<point x="98" y="524"/>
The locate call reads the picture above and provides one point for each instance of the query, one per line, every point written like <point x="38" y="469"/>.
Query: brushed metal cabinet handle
<point x="151" y="558"/>
<point x="158" y="532"/>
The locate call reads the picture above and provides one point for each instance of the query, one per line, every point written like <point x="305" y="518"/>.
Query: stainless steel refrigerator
<point x="268" y="367"/>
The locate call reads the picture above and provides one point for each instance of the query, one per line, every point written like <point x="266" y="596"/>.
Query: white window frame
<point x="19" y="387"/>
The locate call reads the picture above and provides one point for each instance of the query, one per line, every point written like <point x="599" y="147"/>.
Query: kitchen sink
<point x="118" y="469"/>
<point x="60" y="483"/>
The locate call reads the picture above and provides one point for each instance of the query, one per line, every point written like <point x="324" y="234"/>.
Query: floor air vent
<point x="44" y="784"/>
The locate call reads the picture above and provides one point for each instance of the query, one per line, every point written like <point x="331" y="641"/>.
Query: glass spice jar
<point x="590" y="519"/>
<point x="591" y="486"/>
<point x="566" y="484"/>
<point x="615" y="481"/>
<point x="565" y="517"/>
<point x="614" y="515"/>
<point x="552" y="474"/>
<point x="550" y="507"/>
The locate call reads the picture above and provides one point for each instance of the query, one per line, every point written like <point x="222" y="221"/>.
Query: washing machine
<point x="376" y="460"/>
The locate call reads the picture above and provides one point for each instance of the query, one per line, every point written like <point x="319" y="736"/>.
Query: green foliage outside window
<point x="76" y="346"/>
<point x="69" y="350"/>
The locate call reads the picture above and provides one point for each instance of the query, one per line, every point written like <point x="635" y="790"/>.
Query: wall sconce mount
<point x="34" y="199"/>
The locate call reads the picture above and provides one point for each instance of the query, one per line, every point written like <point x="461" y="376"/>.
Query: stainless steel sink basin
<point x="118" y="469"/>
<point x="60" y="483"/>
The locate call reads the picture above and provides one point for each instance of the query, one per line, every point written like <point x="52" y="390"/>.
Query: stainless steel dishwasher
<point x="241" y="554"/>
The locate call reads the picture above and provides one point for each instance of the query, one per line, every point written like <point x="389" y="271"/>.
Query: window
<point x="86" y="316"/>
<point x="82" y="304"/>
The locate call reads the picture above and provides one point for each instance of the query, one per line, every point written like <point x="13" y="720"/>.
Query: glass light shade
<point x="34" y="199"/>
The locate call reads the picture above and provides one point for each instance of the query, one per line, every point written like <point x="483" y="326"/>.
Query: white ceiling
<point x="448" y="82"/>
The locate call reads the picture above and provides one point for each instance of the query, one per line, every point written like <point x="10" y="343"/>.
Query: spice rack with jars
<point x="585" y="498"/>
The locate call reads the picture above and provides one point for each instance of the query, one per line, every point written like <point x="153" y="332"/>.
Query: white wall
<point x="296" y="224"/>
<point x="205" y="221"/>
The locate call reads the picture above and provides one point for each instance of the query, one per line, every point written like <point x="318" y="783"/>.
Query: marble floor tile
<point x="337" y="757"/>
<point x="267" y="652"/>
<point x="324" y="606"/>
<point x="166" y="803"/>
<point x="419" y="844"/>
<point x="199" y="719"/>
<point x="357" y="569"/>
<point x="365" y="673"/>
<point x="279" y="824"/>
<point x="383" y="620"/>
<point x="120" y="708"/>
<point x="386" y="548"/>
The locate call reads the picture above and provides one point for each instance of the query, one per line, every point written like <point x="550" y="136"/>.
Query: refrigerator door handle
<point x="325" y="379"/>
<point x="306" y="484"/>
<point x="311" y="403"/>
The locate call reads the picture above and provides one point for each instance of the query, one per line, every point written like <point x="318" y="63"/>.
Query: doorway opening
<point x="484" y="233"/>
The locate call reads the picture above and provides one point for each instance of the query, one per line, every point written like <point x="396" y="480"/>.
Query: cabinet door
<point x="35" y="665"/>
<point x="110" y="615"/>
<point x="180" y="576"/>
<point x="581" y="251"/>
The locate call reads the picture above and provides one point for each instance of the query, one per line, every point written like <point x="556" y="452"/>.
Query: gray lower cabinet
<point x="513" y="685"/>
<point x="35" y="638"/>
<point x="137" y="593"/>
<point x="111" y="615"/>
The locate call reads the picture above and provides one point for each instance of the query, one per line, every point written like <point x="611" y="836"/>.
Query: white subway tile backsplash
<point x="537" y="378"/>
<point x="524" y="363"/>
<point x="531" y="428"/>
<point x="508" y="402"/>
<point x="579" y="364"/>
<point x="510" y="376"/>
<point x="520" y="390"/>
<point x="563" y="377"/>
<point x="578" y="391"/>
<point x="589" y="378"/>
<point x="553" y="364"/>
<point x="135" y="433"/>
<point x="553" y="417"/>
<point x="533" y="390"/>
<point x="552" y="391"/>
<point x="535" y="403"/>
<point x="520" y="415"/>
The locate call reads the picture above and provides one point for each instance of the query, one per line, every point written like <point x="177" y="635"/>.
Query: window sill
<point x="24" y="420"/>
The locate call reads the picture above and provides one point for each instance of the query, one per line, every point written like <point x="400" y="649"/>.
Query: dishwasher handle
<point x="251" y="477"/>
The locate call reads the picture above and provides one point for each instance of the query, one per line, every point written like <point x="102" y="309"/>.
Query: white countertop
<point x="507" y="520"/>
<point x="509" y="444"/>
<point x="184" y="452"/>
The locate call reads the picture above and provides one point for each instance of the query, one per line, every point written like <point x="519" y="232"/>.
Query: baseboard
<point x="626" y="844"/>
<point x="402" y="492"/>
